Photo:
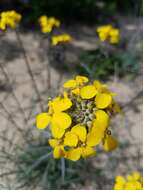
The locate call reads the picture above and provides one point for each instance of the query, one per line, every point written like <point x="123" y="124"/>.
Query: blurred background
<point x="32" y="70"/>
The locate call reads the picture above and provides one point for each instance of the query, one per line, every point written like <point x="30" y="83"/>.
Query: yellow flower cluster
<point x="79" y="119"/>
<point x="63" y="38"/>
<point x="9" y="19"/>
<point x="108" y="33"/>
<point x="132" y="182"/>
<point x="48" y="23"/>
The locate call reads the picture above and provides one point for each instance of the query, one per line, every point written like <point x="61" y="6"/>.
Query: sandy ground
<point x="18" y="99"/>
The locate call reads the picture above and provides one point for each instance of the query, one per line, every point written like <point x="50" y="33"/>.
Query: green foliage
<point x="36" y="166"/>
<point x="101" y="64"/>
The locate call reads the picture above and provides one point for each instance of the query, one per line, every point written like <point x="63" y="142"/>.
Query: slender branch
<point x="29" y="68"/>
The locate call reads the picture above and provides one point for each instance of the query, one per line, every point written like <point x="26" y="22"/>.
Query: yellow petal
<point x="88" y="92"/>
<point x="88" y="151"/>
<point x="76" y="91"/>
<point x="61" y="104"/>
<point x="94" y="138"/>
<point x="81" y="79"/>
<point x="103" y="100"/>
<point x="120" y="179"/>
<point x="74" y="154"/>
<point x="70" y="84"/>
<point x="42" y="120"/>
<point x="97" y="85"/>
<point x="57" y="132"/>
<point x="110" y="143"/>
<point x="53" y="142"/>
<point x="70" y="139"/>
<point x="101" y="121"/>
<point x="58" y="152"/>
<point x="80" y="131"/>
<point x="61" y="120"/>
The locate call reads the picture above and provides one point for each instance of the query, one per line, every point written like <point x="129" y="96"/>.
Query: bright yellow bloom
<point x="79" y="119"/>
<point x="58" y="119"/>
<point x="131" y="182"/>
<point x="47" y="24"/>
<point x="108" y="33"/>
<point x="59" y="39"/>
<point x="9" y="19"/>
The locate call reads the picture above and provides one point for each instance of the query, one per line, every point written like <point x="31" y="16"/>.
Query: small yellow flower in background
<point x="79" y="119"/>
<point x="108" y="33"/>
<point x="131" y="182"/>
<point x="63" y="38"/>
<point x="48" y="23"/>
<point x="9" y="19"/>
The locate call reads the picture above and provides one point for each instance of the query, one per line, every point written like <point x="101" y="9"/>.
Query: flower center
<point x="82" y="111"/>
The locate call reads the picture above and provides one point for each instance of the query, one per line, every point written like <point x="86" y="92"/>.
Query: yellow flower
<point x="9" y="19"/>
<point x="131" y="182"/>
<point x="47" y="24"/>
<point x="79" y="119"/>
<point x="63" y="38"/>
<point x="108" y="33"/>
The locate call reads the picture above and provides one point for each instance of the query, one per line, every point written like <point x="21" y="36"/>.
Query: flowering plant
<point x="9" y="19"/>
<point x="48" y="23"/>
<point x="131" y="182"/>
<point x="108" y="33"/>
<point x="79" y="119"/>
